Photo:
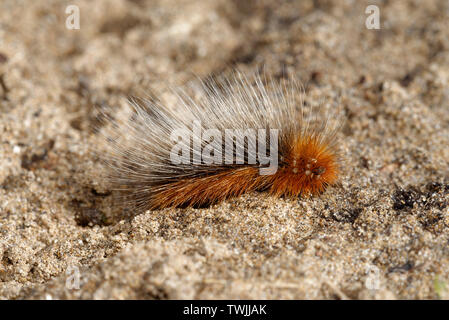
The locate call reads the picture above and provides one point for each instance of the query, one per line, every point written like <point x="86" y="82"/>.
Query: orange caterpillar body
<point x="141" y="156"/>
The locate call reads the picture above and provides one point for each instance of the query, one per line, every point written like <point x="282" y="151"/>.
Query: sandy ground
<point x="382" y="233"/>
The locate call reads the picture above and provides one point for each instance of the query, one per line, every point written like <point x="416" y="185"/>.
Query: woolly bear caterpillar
<point x="241" y="134"/>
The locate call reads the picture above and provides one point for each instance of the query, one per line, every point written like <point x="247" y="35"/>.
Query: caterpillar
<point x="225" y="137"/>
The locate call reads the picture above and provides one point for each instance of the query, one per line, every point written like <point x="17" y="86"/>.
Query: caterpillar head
<point x="307" y="168"/>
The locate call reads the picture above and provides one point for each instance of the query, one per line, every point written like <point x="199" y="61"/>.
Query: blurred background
<point x="388" y="220"/>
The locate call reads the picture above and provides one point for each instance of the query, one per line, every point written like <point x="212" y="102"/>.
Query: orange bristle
<point x="309" y="168"/>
